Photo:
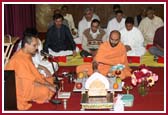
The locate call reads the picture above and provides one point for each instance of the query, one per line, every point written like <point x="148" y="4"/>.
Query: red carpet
<point x="153" y="101"/>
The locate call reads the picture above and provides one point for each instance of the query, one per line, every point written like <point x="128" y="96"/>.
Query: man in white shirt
<point x="149" y="25"/>
<point x="86" y="21"/>
<point x="43" y="65"/>
<point x="116" y="7"/>
<point x="69" y="18"/>
<point x="95" y="16"/>
<point x="132" y="38"/>
<point x="116" y="23"/>
<point x="93" y="37"/>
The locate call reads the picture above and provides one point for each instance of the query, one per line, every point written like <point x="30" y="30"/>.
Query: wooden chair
<point x="9" y="43"/>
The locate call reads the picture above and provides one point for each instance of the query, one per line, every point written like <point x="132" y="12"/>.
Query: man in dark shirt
<point x="158" y="44"/>
<point x="59" y="38"/>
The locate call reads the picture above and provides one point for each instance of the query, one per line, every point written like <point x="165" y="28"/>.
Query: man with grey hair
<point x="95" y="16"/>
<point x="86" y="21"/>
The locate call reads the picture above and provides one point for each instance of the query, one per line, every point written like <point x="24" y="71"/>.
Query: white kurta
<point x="62" y="53"/>
<point x="70" y="20"/>
<point x="148" y="28"/>
<point x="134" y="39"/>
<point x="115" y="25"/>
<point x="38" y="60"/>
<point x="84" y="24"/>
<point x="71" y="24"/>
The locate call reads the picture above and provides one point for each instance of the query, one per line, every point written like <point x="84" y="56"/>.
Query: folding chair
<point x="9" y="43"/>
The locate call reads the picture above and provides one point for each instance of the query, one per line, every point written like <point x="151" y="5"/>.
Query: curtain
<point x="17" y="17"/>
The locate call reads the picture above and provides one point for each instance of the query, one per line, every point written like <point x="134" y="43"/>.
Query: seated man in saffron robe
<point x="44" y="66"/>
<point x="30" y="84"/>
<point x="110" y="53"/>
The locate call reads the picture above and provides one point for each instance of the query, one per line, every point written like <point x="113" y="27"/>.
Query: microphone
<point x="45" y="53"/>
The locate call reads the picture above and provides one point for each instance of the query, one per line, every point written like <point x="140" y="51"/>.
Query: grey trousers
<point x="155" y="51"/>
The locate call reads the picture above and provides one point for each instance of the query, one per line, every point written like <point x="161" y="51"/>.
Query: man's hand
<point x="95" y="66"/>
<point x="93" y="53"/>
<point x="73" y="32"/>
<point x="44" y="58"/>
<point x="128" y="48"/>
<point x="74" y="53"/>
<point x="48" y="73"/>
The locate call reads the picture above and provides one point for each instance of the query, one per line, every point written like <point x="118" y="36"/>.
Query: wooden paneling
<point x="102" y="10"/>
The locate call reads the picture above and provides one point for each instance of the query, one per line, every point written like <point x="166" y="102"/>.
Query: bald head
<point x="114" y="38"/>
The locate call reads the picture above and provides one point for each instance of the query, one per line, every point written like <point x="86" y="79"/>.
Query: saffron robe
<point x="26" y="74"/>
<point x="108" y="56"/>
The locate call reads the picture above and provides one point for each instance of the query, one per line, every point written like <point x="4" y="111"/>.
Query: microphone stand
<point x="56" y="81"/>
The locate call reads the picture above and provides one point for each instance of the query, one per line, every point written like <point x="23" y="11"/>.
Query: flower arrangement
<point x="144" y="75"/>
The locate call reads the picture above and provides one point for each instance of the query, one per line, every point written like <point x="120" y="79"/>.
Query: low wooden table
<point x="97" y="102"/>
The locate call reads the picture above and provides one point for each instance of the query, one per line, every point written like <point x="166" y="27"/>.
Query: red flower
<point x="138" y="74"/>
